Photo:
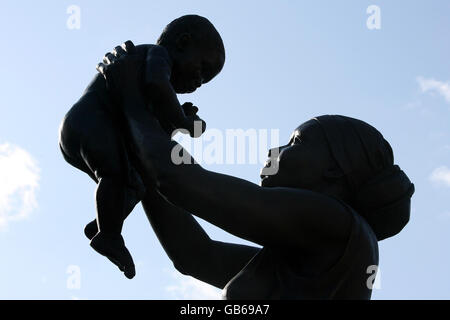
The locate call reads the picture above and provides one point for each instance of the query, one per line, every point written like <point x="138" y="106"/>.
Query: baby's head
<point x="196" y="50"/>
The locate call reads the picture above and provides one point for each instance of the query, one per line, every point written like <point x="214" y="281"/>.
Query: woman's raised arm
<point x="190" y="248"/>
<point x="283" y="217"/>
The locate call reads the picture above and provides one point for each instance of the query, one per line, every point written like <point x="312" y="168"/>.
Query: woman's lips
<point x="270" y="168"/>
<point x="266" y="165"/>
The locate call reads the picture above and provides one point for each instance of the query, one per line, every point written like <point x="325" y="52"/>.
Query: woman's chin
<point x="265" y="182"/>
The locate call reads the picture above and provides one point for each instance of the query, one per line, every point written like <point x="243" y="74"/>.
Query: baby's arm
<point x="161" y="93"/>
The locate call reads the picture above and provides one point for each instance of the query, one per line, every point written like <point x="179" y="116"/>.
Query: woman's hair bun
<point x="385" y="201"/>
<point x="380" y="191"/>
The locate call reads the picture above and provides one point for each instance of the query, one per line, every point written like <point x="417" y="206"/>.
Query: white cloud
<point x="19" y="180"/>
<point x="432" y="85"/>
<point x="441" y="175"/>
<point x="188" y="288"/>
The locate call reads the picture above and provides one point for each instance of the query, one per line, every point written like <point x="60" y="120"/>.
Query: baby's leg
<point x="91" y="142"/>
<point x="132" y="198"/>
<point x="107" y="159"/>
<point x="110" y="199"/>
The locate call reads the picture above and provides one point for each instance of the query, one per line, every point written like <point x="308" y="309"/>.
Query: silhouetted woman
<point x="336" y="194"/>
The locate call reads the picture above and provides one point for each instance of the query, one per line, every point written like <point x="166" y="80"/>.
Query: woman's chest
<point x="253" y="282"/>
<point x="271" y="275"/>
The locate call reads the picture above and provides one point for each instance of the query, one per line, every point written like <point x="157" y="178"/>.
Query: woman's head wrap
<point x="380" y="191"/>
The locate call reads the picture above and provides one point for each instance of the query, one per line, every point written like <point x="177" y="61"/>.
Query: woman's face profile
<point x="302" y="162"/>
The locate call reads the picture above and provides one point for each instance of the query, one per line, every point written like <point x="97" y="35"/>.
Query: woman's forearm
<point x="181" y="236"/>
<point x="186" y="185"/>
<point x="183" y="239"/>
<point x="230" y="203"/>
<point x="191" y="250"/>
<point x="267" y="216"/>
<point x="150" y="144"/>
<point x="276" y="216"/>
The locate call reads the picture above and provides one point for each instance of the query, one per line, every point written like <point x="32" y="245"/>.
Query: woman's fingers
<point x="129" y="47"/>
<point x="100" y="68"/>
<point x="118" y="52"/>
<point x="121" y="67"/>
<point x="109" y="58"/>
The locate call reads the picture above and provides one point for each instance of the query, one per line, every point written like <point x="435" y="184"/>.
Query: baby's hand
<point x="189" y="109"/>
<point x="194" y="124"/>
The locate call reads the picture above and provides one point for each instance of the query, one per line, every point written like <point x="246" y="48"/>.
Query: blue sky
<point x="286" y="61"/>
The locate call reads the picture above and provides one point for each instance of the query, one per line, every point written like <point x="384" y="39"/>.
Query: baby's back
<point x="99" y="88"/>
<point x="96" y="103"/>
<point x="90" y="133"/>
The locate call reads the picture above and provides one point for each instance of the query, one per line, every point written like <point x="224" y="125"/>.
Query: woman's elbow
<point x="181" y="268"/>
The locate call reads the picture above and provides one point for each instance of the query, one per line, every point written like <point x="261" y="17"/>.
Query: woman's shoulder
<point x="359" y="246"/>
<point x="338" y="270"/>
<point x="361" y="241"/>
<point x="343" y="270"/>
<point x="360" y="230"/>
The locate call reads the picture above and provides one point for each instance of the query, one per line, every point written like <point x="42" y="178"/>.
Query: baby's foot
<point x="91" y="229"/>
<point x="113" y="247"/>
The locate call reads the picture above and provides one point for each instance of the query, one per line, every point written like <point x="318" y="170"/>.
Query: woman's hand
<point x="122" y="68"/>
<point x="149" y="144"/>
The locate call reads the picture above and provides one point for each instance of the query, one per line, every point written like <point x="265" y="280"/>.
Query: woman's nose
<point x="275" y="152"/>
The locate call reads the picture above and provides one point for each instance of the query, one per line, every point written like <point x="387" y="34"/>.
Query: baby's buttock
<point x="88" y="115"/>
<point x="89" y="126"/>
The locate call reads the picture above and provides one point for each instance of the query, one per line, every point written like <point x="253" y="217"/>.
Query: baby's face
<point x="194" y="67"/>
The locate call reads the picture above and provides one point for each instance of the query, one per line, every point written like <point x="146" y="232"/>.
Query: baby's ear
<point x="183" y="40"/>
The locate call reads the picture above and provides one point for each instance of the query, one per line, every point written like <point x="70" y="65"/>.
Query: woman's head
<point x="348" y="159"/>
<point x="305" y="162"/>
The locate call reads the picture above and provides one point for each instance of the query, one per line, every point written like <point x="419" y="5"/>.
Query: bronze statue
<point x="318" y="219"/>
<point x="188" y="54"/>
